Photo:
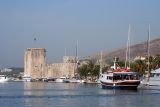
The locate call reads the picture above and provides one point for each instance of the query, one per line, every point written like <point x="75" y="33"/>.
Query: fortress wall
<point x="35" y="65"/>
<point x="61" y="69"/>
<point x="27" y="63"/>
<point x="54" y="70"/>
<point x="35" y="62"/>
<point x="70" y="69"/>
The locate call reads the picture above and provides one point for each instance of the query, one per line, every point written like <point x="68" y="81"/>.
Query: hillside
<point x="14" y="73"/>
<point x="136" y="50"/>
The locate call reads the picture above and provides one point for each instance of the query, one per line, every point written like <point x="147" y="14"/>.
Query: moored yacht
<point x="61" y="79"/>
<point x="153" y="79"/>
<point x="4" y="78"/>
<point x="26" y="78"/>
<point x="74" y="80"/>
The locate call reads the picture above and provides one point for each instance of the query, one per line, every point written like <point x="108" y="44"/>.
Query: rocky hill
<point x="135" y="50"/>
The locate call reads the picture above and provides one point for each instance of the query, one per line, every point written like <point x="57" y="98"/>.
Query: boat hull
<point x="128" y="85"/>
<point x="59" y="80"/>
<point x="4" y="80"/>
<point x="153" y="81"/>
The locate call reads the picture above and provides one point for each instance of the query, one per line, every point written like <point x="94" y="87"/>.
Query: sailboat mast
<point x="148" y="50"/>
<point x="129" y="43"/>
<point x="65" y="52"/>
<point x="76" y="60"/>
<point x="128" y="49"/>
<point x="77" y="52"/>
<point x="101" y="62"/>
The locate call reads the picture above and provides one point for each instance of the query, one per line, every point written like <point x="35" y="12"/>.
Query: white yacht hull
<point x="153" y="81"/>
<point x="59" y="80"/>
<point x="3" y="79"/>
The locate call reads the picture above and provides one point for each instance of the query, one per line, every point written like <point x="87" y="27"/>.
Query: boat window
<point x="118" y="77"/>
<point x="109" y="78"/>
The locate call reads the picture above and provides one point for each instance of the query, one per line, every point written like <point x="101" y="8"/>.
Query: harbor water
<point x="42" y="94"/>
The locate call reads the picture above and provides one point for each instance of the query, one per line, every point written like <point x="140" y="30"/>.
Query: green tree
<point x="90" y="69"/>
<point x="139" y="66"/>
<point x="83" y="71"/>
<point x="156" y="62"/>
<point x="149" y="63"/>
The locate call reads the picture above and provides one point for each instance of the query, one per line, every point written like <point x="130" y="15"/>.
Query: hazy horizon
<point x="58" y="24"/>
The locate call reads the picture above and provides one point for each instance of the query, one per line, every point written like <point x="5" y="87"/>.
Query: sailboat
<point x="120" y="78"/>
<point x="74" y="79"/>
<point x="154" y="79"/>
<point x="100" y="69"/>
<point x="153" y="76"/>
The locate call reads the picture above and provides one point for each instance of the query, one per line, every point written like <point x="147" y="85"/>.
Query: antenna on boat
<point x="115" y="62"/>
<point x="128" y="49"/>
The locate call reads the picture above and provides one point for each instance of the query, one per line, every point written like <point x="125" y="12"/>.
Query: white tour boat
<point x="119" y="78"/>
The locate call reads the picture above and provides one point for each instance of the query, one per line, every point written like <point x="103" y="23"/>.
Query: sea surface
<point x="42" y="94"/>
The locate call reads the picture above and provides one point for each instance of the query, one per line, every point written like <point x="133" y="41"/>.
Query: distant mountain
<point x="135" y="50"/>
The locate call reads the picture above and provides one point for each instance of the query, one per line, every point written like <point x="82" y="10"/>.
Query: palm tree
<point x="83" y="71"/>
<point x="90" y="69"/>
<point x="156" y="62"/>
<point x="139" y="66"/>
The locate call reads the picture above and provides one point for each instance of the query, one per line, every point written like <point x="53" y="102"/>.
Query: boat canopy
<point x="125" y="73"/>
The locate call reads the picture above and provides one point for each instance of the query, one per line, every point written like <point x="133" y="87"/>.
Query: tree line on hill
<point x="14" y="73"/>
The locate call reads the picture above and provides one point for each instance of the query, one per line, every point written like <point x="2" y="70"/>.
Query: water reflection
<point x="64" y="94"/>
<point x="31" y="90"/>
<point x="39" y="93"/>
<point x="116" y="98"/>
<point x="19" y="94"/>
<point x="80" y="95"/>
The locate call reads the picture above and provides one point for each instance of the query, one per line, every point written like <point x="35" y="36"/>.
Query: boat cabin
<point x="117" y="76"/>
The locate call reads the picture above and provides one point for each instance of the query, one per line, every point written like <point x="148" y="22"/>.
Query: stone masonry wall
<point x="35" y="62"/>
<point x="61" y="69"/>
<point x="35" y="65"/>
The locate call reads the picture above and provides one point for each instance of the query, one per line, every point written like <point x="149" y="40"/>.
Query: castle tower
<point x="35" y="62"/>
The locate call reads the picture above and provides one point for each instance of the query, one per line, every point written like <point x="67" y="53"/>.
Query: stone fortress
<point x="36" y="67"/>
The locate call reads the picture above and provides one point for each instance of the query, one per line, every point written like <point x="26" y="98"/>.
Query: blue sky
<point x="58" y="24"/>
